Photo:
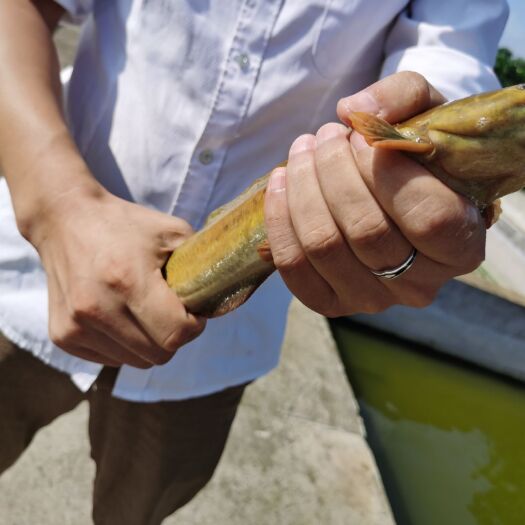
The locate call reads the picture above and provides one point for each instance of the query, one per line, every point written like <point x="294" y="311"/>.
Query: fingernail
<point x="330" y="131"/>
<point x="363" y="101"/>
<point x="357" y="141"/>
<point x="302" y="143"/>
<point x="277" y="181"/>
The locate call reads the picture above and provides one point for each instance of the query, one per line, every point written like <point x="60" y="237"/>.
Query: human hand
<point x="341" y="208"/>
<point x="108" y="300"/>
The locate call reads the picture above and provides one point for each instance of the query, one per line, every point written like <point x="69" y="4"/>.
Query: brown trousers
<point x="151" y="458"/>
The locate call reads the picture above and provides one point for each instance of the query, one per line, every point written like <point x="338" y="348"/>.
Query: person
<point x="173" y="108"/>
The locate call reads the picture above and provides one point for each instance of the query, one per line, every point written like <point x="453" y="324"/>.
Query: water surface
<point x="449" y="439"/>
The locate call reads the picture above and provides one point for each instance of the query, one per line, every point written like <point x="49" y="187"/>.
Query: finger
<point x="173" y="232"/>
<point x="372" y="236"/>
<point x="114" y="346"/>
<point x="162" y="315"/>
<point x="378" y="244"/>
<point x="72" y="337"/>
<point x="394" y="98"/>
<point x="130" y="338"/>
<point x="443" y="225"/>
<point x="85" y="320"/>
<point x="288" y="256"/>
<point x="321" y="239"/>
<point x="93" y="357"/>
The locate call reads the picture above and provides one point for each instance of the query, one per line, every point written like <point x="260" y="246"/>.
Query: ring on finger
<point x="394" y="273"/>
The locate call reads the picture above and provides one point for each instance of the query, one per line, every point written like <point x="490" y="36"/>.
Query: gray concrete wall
<point x="464" y="322"/>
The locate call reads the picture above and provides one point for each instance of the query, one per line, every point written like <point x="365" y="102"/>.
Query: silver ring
<point x="393" y="273"/>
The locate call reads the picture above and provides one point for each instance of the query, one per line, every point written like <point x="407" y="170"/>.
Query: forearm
<point x="37" y="154"/>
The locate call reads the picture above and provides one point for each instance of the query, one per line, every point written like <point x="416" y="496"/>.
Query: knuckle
<point x="376" y="305"/>
<point x="435" y="222"/>
<point x="173" y="342"/>
<point x="369" y="231"/>
<point x="58" y="337"/>
<point x="321" y="243"/>
<point x="420" y="297"/>
<point x="332" y="308"/>
<point x="369" y="304"/>
<point x="65" y="335"/>
<point x="334" y="152"/>
<point x="118" y="277"/>
<point x="275" y="225"/>
<point x="418" y="85"/>
<point x="183" y="334"/>
<point x="85" y="306"/>
<point x="161" y="358"/>
<point x="473" y="258"/>
<point x="288" y="259"/>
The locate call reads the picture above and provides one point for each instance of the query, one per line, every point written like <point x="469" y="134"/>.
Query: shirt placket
<point x="255" y="23"/>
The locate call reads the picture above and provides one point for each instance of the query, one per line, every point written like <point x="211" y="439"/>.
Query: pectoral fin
<point x="380" y="134"/>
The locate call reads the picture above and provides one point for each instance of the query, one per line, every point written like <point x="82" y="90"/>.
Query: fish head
<point x="479" y="143"/>
<point x="474" y="145"/>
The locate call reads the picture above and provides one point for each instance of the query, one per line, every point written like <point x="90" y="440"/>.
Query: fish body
<point x="475" y="145"/>
<point x="220" y="266"/>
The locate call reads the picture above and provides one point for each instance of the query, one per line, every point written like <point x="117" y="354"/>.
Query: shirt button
<point x="206" y="156"/>
<point x="244" y="62"/>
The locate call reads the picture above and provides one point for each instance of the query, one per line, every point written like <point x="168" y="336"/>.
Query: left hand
<point x="341" y="208"/>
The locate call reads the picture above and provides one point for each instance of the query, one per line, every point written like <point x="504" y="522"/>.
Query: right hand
<point x="108" y="301"/>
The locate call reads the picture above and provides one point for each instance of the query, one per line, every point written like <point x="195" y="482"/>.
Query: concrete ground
<point x="296" y="454"/>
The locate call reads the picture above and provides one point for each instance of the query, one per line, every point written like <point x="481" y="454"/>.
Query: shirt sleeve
<point x="453" y="43"/>
<point x="77" y="9"/>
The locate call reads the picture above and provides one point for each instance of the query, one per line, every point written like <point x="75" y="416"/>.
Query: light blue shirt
<point x="180" y="105"/>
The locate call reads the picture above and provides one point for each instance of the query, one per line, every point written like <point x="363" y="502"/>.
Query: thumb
<point x="394" y="98"/>
<point x="172" y="232"/>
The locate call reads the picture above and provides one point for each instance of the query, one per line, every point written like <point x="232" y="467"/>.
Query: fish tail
<point x="380" y="134"/>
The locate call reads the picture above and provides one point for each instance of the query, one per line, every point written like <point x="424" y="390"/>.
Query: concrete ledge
<point x="464" y="322"/>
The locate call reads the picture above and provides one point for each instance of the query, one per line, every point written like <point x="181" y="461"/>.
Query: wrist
<point x="46" y="189"/>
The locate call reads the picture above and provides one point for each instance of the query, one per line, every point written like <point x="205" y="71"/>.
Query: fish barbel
<point x="474" y="145"/>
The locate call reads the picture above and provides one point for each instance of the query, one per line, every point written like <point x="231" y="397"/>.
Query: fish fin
<point x="264" y="251"/>
<point x="232" y="301"/>
<point x="492" y="213"/>
<point x="234" y="298"/>
<point x="380" y="134"/>
<point x="404" y="145"/>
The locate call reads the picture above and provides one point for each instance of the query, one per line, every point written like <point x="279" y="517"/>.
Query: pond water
<point x="449" y="439"/>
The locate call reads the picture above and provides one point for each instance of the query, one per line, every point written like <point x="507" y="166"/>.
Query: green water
<point x="449" y="439"/>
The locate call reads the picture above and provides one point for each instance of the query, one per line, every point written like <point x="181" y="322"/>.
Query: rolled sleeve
<point x="77" y="9"/>
<point x="453" y="43"/>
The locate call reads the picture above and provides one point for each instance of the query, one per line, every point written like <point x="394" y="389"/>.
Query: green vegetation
<point x="510" y="70"/>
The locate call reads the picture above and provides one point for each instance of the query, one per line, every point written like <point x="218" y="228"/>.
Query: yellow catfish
<point x="475" y="145"/>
